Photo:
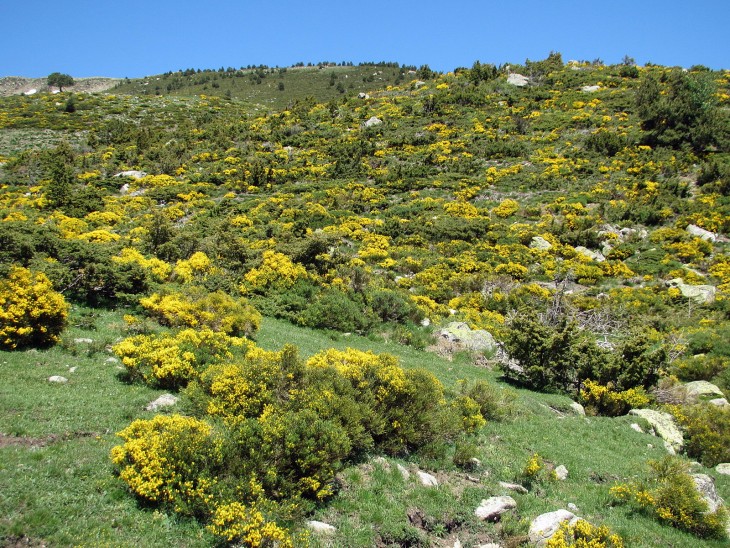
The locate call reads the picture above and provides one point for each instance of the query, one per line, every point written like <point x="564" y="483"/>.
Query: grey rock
<point x="720" y="402"/>
<point x="58" y="379"/>
<point x="702" y="233"/>
<point x="373" y="121"/>
<point x="477" y="340"/>
<point x="636" y="427"/>
<point x="538" y="242"/>
<point x="544" y="526"/>
<point x="578" y="409"/>
<point x="321" y="527"/>
<point x="593" y="255"/>
<point x="706" y="488"/>
<point x="83" y="340"/>
<point x="561" y="472"/>
<point x="723" y="468"/>
<point x="490" y="509"/>
<point x="572" y="507"/>
<point x="426" y="479"/>
<point x="702" y="294"/>
<point x="134" y="174"/>
<point x="165" y="400"/>
<point x="363" y="95"/>
<point x="517" y="80"/>
<point x="590" y="89"/>
<point x="514" y="487"/>
<point x="697" y="391"/>
<point x="664" y="426"/>
<point x="403" y="471"/>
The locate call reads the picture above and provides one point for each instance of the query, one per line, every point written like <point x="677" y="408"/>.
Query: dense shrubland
<point x="551" y="215"/>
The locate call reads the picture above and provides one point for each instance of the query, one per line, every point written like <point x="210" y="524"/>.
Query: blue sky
<point x="143" y="37"/>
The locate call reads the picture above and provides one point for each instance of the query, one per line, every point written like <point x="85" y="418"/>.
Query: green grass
<point x="57" y="484"/>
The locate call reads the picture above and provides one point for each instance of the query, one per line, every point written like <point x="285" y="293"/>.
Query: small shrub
<point x="238" y="524"/>
<point x="605" y="400"/>
<point x="707" y="432"/>
<point x="670" y="496"/>
<point x="31" y="312"/>
<point x="494" y="404"/>
<point x="584" y="535"/>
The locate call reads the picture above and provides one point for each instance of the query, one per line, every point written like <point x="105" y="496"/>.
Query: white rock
<point x="702" y="233"/>
<point x="426" y="479"/>
<point x="702" y="294"/>
<point x="706" y="488"/>
<point x="720" y="402"/>
<point x="321" y="527"/>
<point x="517" y="80"/>
<point x="561" y="472"/>
<point x="546" y="525"/>
<point x="593" y="255"/>
<point x="32" y="91"/>
<point x="57" y="379"/>
<point x="637" y="427"/>
<point x="702" y="391"/>
<point x="572" y="507"/>
<point x="723" y="468"/>
<point x="83" y="340"/>
<point x="111" y="359"/>
<point x="72" y="369"/>
<point x="664" y="425"/>
<point x="363" y="95"/>
<point x="457" y="543"/>
<point x="513" y="487"/>
<point x="403" y="471"/>
<point x="425" y="322"/>
<point x="165" y="400"/>
<point x="133" y="173"/>
<point x="490" y="545"/>
<point x="373" y="121"/>
<point x="578" y="409"/>
<point x="490" y="509"/>
<point x="590" y="89"/>
<point x="538" y="242"/>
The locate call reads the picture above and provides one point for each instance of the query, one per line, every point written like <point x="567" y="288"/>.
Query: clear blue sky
<point x="142" y="37"/>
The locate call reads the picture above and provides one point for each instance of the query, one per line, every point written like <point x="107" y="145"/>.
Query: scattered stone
<point x="72" y="369"/>
<point x="702" y="294"/>
<point x="578" y="408"/>
<point x="363" y="95"/>
<point x="572" y="507"/>
<point x="544" y="526"/>
<point x="476" y="340"/>
<point x="514" y="487"/>
<point x="426" y="479"/>
<point x="83" y="340"/>
<point x="593" y="255"/>
<point x="636" y="427"/>
<point x="723" y="468"/>
<point x="697" y="391"/>
<point x="124" y="189"/>
<point x="517" y="80"/>
<point x="374" y="121"/>
<point x="425" y="322"/>
<point x="165" y="400"/>
<point x="403" y="471"/>
<point x="134" y="174"/>
<point x="706" y="488"/>
<point x="321" y="527"/>
<point x="720" y="402"/>
<point x="561" y="472"/>
<point x="58" y="379"/>
<point x="664" y="425"/>
<point x="590" y="89"/>
<point x="702" y="233"/>
<point x="32" y="91"/>
<point x="457" y="543"/>
<point x="492" y="508"/>
<point x="540" y="243"/>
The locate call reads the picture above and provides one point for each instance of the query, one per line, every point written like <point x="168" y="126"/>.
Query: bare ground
<point x="15" y="85"/>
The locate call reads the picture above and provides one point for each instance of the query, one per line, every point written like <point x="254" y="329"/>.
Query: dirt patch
<point x="17" y="542"/>
<point x="28" y="442"/>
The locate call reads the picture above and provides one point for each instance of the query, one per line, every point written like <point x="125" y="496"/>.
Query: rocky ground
<point x="14" y="85"/>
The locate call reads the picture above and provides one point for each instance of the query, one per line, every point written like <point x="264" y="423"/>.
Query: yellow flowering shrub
<point x="198" y="266"/>
<point x="246" y="526"/>
<point x="605" y="400"/>
<point x="171" y="460"/>
<point x="670" y="496"/>
<point x="216" y="311"/>
<point x="31" y="312"/>
<point x="583" y="534"/>
<point x="507" y="208"/>
<point x="160" y="269"/>
<point x="275" y="270"/>
<point x="172" y="360"/>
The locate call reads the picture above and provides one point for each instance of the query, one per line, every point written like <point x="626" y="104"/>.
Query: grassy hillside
<point x="272" y="88"/>
<point x="580" y="218"/>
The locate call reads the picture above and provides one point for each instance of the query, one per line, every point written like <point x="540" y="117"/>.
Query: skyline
<point x="135" y="39"/>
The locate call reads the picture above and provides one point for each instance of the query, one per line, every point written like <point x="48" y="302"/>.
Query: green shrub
<point x="605" y="400"/>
